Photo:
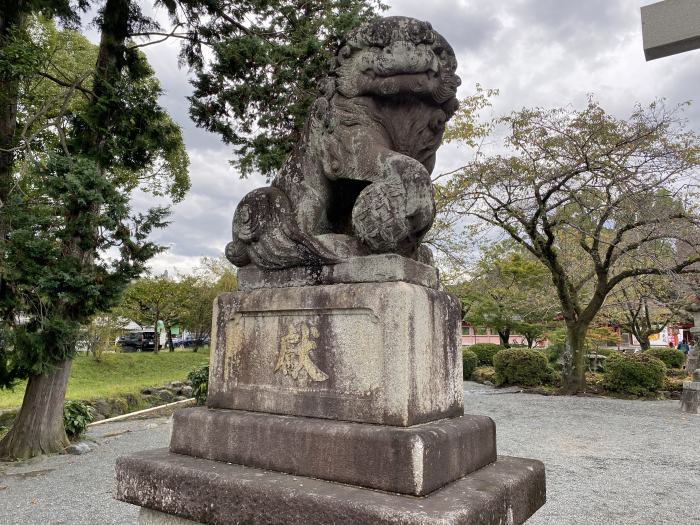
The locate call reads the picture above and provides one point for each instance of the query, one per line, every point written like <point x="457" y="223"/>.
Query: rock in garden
<point x="78" y="449"/>
<point x="187" y="391"/>
<point x="165" y="395"/>
<point x="102" y="407"/>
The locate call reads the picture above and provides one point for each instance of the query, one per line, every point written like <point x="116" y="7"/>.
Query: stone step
<point x="414" y="460"/>
<point x="204" y="491"/>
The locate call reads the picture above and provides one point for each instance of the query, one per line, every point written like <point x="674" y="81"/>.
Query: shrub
<point x="671" y="357"/>
<point x="483" y="374"/>
<point x="674" y="384"/>
<point x="485" y="352"/>
<point x="521" y="366"/>
<point x="636" y="374"/>
<point x="671" y="372"/>
<point x="199" y="377"/>
<point x="76" y="417"/>
<point x="553" y="353"/>
<point x="469" y="362"/>
<point x="607" y="352"/>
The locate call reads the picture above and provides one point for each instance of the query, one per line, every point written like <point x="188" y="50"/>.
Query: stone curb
<point x="147" y="411"/>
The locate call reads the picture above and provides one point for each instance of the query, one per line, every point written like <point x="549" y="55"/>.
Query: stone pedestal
<point x="334" y="402"/>
<point x="507" y="491"/>
<point x="369" y="352"/>
<point x="690" y="399"/>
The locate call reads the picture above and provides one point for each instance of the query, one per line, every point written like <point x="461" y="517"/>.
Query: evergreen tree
<point x="267" y="57"/>
<point x="71" y="242"/>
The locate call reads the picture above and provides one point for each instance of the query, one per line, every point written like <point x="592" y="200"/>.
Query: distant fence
<point x="472" y="339"/>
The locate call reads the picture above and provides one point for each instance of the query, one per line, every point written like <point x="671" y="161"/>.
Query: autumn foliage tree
<point x="198" y="290"/>
<point x="595" y="198"/>
<point x="509" y="291"/>
<point x="646" y="305"/>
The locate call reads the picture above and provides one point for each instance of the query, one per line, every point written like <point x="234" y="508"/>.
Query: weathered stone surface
<point x="506" y="492"/>
<point x="690" y="399"/>
<point x="368" y="269"/>
<point x="153" y="517"/>
<point x="385" y="353"/>
<point x="693" y="361"/>
<point x="78" y="449"/>
<point x="359" y="180"/>
<point x="415" y="460"/>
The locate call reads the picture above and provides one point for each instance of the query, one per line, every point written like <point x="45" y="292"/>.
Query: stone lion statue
<point x="359" y="182"/>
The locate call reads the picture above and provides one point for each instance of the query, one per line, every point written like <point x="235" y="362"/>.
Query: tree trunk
<point x="38" y="428"/>
<point x="504" y="336"/>
<point x="11" y="18"/>
<point x="644" y="341"/>
<point x="156" y="334"/>
<point x="530" y="340"/>
<point x="171" y="346"/>
<point x="574" y="359"/>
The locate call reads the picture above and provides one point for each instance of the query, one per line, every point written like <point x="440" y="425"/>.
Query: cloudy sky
<point x="543" y="53"/>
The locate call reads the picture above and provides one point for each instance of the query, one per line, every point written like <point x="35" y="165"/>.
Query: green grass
<point x="118" y="374"/>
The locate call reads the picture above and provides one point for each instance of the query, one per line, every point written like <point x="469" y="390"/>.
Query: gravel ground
<point x="608" y="462"/>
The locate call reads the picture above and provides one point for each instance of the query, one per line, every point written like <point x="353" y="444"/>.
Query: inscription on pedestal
<point x="294" y="358"/>
<point x="383" y="354"/>
<point x="325" y="350"/>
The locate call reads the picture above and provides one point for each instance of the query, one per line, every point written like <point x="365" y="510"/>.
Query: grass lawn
<point x="118" y="374"/>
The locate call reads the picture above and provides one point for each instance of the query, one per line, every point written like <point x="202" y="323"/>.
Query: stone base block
<point x="690" y="399"/>
<point x="368" y="269"/>
<point x="415" y="460"/>
<point x="508" y="491"/>
<point x="382" y="353"/>
<point x="153" y="517"/>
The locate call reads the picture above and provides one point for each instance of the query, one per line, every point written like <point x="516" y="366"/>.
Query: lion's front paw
<point x="379" y="216"/>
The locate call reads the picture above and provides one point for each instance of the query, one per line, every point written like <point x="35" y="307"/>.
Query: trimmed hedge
<point x="469" y="363"/>
<point x="521" y="366"/>
<point x="636" y="374"/>
<point x="485" y="352"/>
<point x="671" y="357"/>
<point x="483" y="374"/>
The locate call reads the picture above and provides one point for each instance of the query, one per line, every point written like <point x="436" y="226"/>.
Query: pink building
<point x="472" y="335"/>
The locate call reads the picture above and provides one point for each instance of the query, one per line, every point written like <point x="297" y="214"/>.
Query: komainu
<point x="359" y="182"/>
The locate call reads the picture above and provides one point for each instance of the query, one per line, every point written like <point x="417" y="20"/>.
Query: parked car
<point x="188" y="341"/>
<point x="138" y="342"/>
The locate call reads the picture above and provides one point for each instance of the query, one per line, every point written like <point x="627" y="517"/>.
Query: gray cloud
<point x="536" y="52"/>
<point x="466" y="25"/>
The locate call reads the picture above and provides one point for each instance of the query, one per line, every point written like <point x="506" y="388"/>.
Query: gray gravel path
<point x="77" y="489"/>
<point x="608" y="462"/>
